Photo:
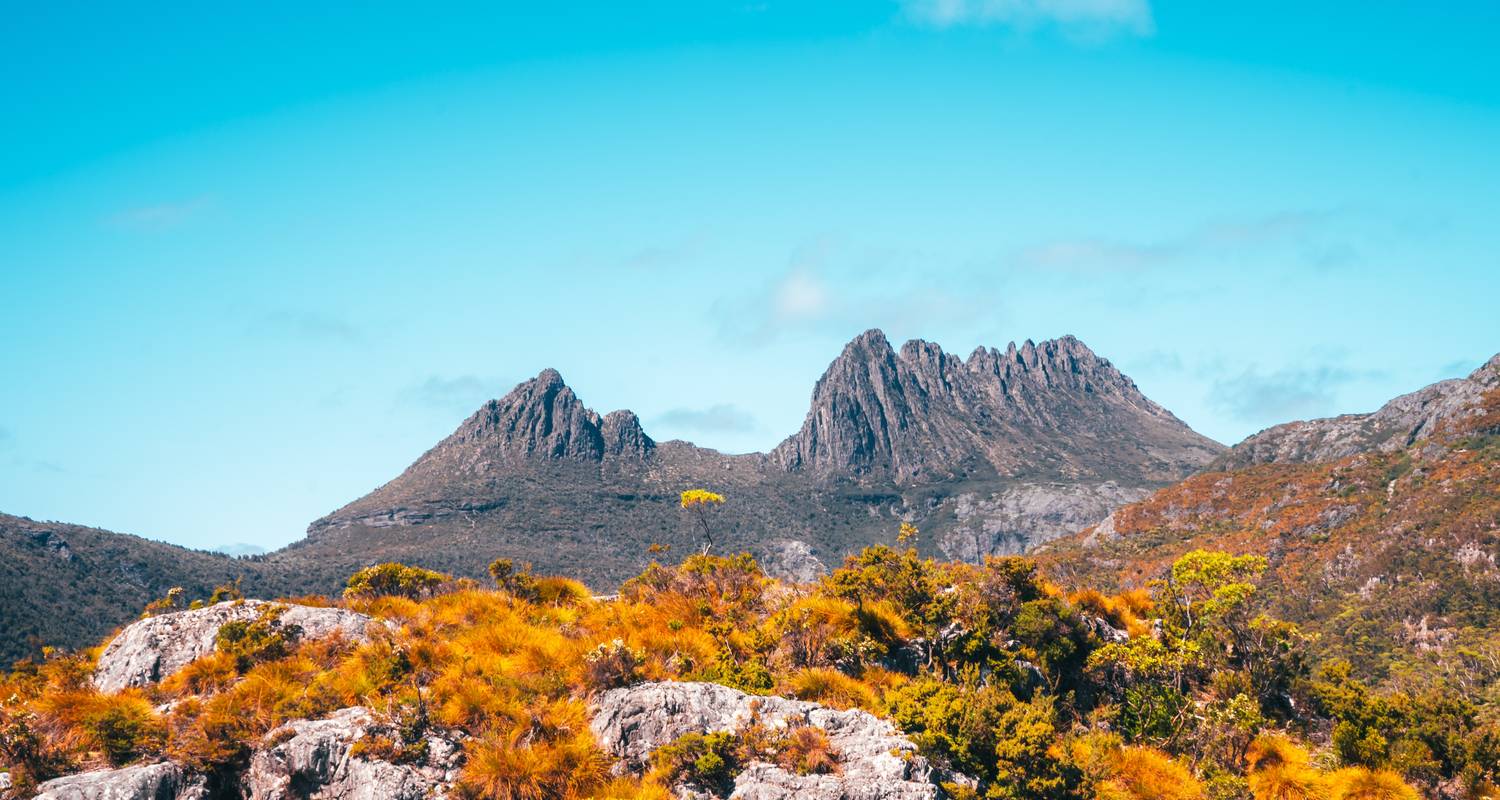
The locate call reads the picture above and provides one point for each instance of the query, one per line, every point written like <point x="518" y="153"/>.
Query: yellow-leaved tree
<point x="700" y="502"/>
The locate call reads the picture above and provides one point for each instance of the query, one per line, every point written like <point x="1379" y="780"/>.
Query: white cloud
<point x="801" y="295"/>
<point x="1089" y="19"/>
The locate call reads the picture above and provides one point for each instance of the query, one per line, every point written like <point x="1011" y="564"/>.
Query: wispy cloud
<point x="1288" y="393"/>
<point x="458" y="395"/>
<point x="719" y="418"/>
<point x="1306" y="230"/>
<point x="159" y="216"/>
<point x="1088" y="20"/>
<point x="308" y="326"/>
<point x="656" y="256"/>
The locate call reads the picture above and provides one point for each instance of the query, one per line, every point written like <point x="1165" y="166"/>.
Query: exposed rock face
<point x="164" y="781"/>
<point x="876" y="762"/>
<point x="1017" y="519"/>
<point x="540" y="418"/>
<point x="1399" y="423"/>
<point x="922" y="415"/>
<point x="316" y="759"/>
<point x="792" y="560"/>
<point x="153" y="648"/>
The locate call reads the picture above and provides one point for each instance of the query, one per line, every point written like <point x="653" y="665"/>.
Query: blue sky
<point x="253" y="262"/>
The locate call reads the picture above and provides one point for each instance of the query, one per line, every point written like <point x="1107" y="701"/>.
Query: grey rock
<point x="1402" y="422"/>
<point x="540" y="418"/>
<point x="876" y="762"/>
<point x="153" y="648"/>
<point x="1106" y="632"/>
<point x="164" y="781"/>
<point x="792" y="560"/>
<point x="1019" y="518"/>
<point x="922" y="415"/>
<point x="310" y="759"/>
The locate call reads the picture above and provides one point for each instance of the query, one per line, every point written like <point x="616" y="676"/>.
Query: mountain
<point x="1382" y="530"/>
<point x="924" y="416"/>
<point x="987" y="455"/>
<point x="69" y="585"/>
<point x="1400" y="423"/>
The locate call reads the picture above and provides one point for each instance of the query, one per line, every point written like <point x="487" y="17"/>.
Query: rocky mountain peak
<point x="922" y="414"/>
<point x="543" y="418"/>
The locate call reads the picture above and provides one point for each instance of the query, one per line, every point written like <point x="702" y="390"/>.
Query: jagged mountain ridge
<point x="989" y="454"/>
<point x="1400" y="423"/>
<point x="924" y="415"/>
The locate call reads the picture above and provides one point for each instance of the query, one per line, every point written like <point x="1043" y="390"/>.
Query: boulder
<point x="876" y="762"/>
<point x="153" y="648"/>
<point x="164" y="781"/>
<point x="317" y="759"/>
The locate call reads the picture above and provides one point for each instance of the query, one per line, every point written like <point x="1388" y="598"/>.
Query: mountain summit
<point x="988" y="455"/>
<point x="921" y="415"/>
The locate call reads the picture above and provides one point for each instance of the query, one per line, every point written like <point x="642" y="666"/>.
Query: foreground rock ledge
<point x="316" y="758"/>
<point x="876" y="761"/>
<point x="165" y="781"/>
<point x="154" y="648"/>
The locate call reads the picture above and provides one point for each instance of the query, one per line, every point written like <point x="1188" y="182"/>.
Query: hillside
<point x="1398" y="424"/>
<point x="1388" y="553"/>
<point x="991" y="454"/>
<point x="897" y="678"/>
<point x="67" y="585"/>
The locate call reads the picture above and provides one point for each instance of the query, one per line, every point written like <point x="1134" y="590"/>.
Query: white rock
<point x="309" y="760"/>
<point x="152" y="649"/>
<point x="164" y="781"/>
<point x="876" y="762"/>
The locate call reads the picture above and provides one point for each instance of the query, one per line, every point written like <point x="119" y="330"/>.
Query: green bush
<point x="264" y="638"/>
<point x="393" y="579"/>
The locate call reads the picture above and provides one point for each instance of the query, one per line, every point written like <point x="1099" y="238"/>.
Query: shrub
<point x="124" y="727"/>
<point x="829" y="687"/>
<point x="515" y="580"/>
<point x="805" y="750"/>
<point x="611" y="665"/>
<point x="174" y="601"/>
<point x="707" y="760"/>
<point x="1141" y="773"/>
<point x="1279" y="771"/>
<point x="509" y="767"/>
<point x="227" y="591"/>
<point x="395" y="579"/>
<point x="1357" y="783"/>
<point x="263" y="639"/>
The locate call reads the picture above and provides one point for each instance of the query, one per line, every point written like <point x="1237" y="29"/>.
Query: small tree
<point x="699" y="502"/>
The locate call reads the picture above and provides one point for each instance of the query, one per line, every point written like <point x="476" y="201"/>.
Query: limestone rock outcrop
<point x="164" y="781"/>
<point x="317" y="758"/>
<point x="153" y="648"/>
<point x="875" y="761"/>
